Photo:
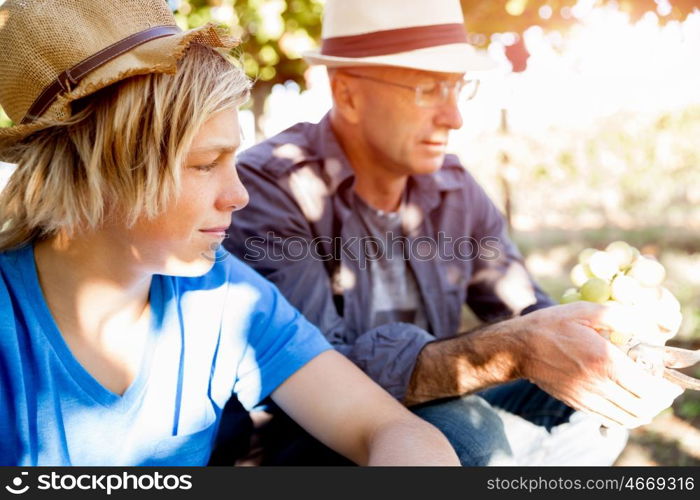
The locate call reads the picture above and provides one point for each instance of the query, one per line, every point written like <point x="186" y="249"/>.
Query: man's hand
<point x="570" y="360"/>
<point x="561" y="349"/>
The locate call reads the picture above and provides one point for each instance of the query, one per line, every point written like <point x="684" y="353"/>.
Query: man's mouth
<point x="435" y="144"/>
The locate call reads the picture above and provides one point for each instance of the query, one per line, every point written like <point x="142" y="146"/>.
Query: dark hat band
<point x="73" y="75"/>
<point x="381" y="43"/>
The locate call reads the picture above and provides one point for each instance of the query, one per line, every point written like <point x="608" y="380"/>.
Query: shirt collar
<point x="335" y="163"/>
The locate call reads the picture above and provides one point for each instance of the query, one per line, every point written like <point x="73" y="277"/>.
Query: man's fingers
<point x="599" y="377"/>
<point x="638" y="381"/>
<point x="631" y="396"/>
<point x="626" y="401"/>
<point x="610" y="412"/>
<point x="630" y="375"/>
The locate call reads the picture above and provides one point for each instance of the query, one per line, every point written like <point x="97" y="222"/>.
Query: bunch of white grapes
<point x="620" y="275"/>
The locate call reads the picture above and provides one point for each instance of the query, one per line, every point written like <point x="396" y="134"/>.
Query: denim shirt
<point x="300" y="231"/>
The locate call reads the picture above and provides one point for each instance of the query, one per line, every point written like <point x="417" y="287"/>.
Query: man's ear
<point x="345" y="97"/>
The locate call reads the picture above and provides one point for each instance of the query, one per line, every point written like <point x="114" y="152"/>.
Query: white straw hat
<point x="418" y="34"/>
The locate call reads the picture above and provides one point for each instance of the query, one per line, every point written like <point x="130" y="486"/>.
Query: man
<point x="380" y="238"/>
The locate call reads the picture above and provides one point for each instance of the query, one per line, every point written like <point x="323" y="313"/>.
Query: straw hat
<point x="53" y="52"/>
<point x="418" y="34"/>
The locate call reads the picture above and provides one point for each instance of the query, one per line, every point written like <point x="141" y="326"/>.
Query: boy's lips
<point x="215" y="231"/>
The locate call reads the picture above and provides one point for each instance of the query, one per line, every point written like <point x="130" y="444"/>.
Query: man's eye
<point x="205" y="168"/>
<point x="429" y="88"/>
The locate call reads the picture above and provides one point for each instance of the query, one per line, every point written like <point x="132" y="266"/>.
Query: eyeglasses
<point x="432" y="95"/>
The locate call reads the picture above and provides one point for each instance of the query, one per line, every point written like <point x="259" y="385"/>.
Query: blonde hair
<point x="120" y="153"/>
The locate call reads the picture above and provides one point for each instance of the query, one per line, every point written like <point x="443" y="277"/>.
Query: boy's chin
<point x="192" y="268"/>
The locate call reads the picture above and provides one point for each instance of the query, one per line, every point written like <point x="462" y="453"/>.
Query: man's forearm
<point x="487" y="356"/>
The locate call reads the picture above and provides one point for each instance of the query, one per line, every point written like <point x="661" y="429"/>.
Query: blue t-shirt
<point x="227" y="332"/>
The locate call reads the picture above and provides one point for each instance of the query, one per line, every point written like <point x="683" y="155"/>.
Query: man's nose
<point x="448" y="114"/>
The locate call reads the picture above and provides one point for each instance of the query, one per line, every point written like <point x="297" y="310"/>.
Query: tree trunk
<point x="503" y="173"/>
<point x="259" y="93"/>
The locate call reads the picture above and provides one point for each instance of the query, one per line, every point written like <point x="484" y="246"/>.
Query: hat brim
<point x="156" y="56"/>
<point x="452" y="58"/>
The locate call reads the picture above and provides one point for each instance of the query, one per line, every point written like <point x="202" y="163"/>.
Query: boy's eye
<point x="205" y="168"/>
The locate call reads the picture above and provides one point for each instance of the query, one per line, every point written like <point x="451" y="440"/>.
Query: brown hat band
<point x="381" y="43"/>
<point x="73" y="75"/>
